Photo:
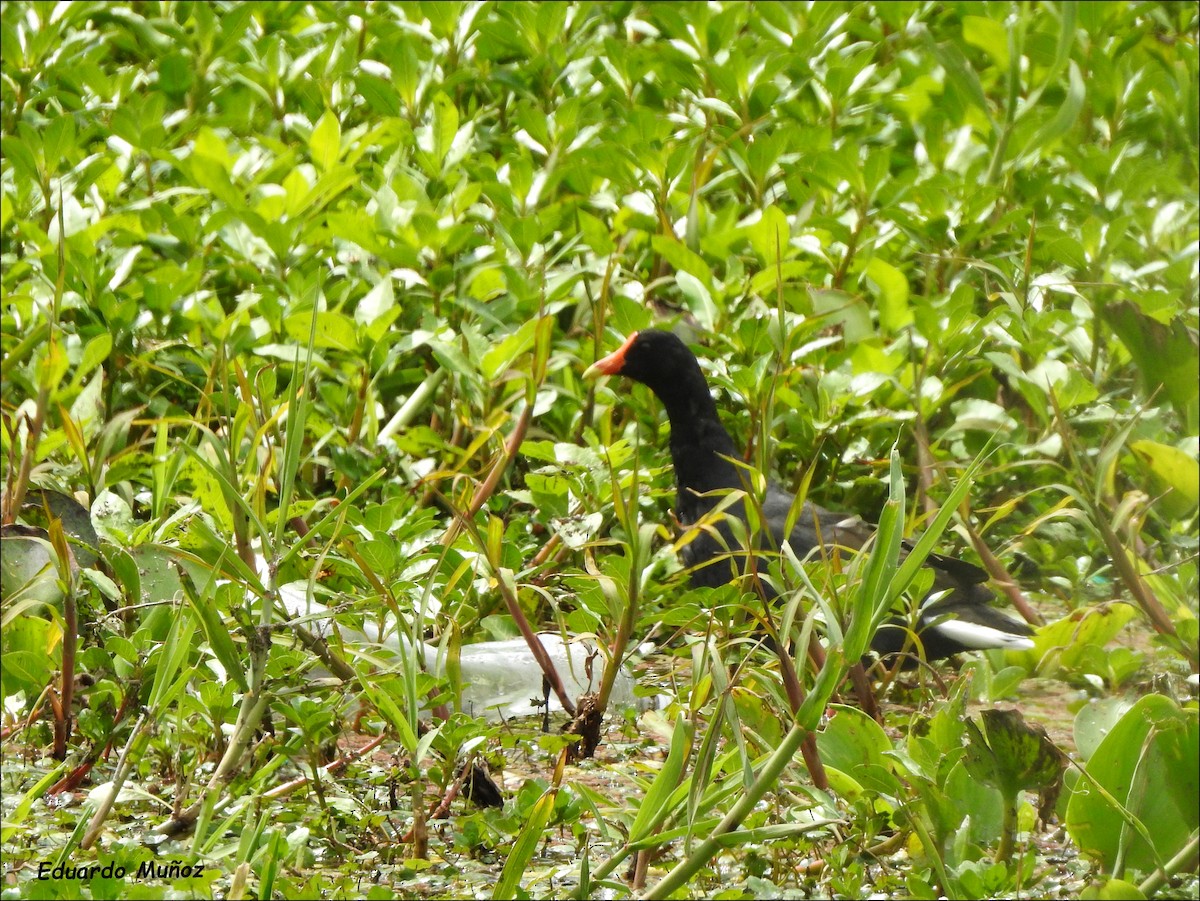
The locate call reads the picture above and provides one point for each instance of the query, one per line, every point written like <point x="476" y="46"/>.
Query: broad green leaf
<point x="325" y="143"/>
<point x="851" y="741"/>
<point x="445" y="126"/>
<point x="1095" y="720"/>
<point x="683" y="259"/>
<point x="406" y="71"/>
<point x="699" y="300"/>
<point x="846" y="310"/>
<point x="1167" y="356"/>
<point x="595" y="232"/>
<point x="1171" y="468"/>
<point x="487" y="283"/>
<point x="1070" y="387"/>
<point x="981" y="415"/>
<point x="57" y="140"/>
<point x="1012" y="755"/>
<point x="1113" y="890"/>
<point x="973" y="808"/>
<point x="990" y="36"/>
<point x="1062" y="644"/>
<point x="209" y="174"/>
<point x="1147" y="765"/>
<point x="334" y="330"/>
<point x="176" y="74"/>
<point x="94" y="353"/>
<point x="443" y="16"/>
<point x="375" y="303"/>
<point x="500" y="357"/>
<point x="32" y="648"/>
<point x="770" y="237"/>
<point x="211" y="146"/>
<point x="891" y="291"/>
<point x="19" y="154"/>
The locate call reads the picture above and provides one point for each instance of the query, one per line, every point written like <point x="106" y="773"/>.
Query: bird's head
<point x="653" y="357"/>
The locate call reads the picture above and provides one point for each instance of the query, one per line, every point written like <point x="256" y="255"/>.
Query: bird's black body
<point x="701" y="450"/>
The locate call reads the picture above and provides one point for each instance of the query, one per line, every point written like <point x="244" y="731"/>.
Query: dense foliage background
<point x="299" y="295"/>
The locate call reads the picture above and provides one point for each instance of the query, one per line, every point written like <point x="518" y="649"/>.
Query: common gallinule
<point x="961" y="619"/>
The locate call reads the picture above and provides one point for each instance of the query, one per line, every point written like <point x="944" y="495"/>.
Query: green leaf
<point x="972" y="809"/>
<point x="770" y="236"/>
<point x="20" y="811"/>
<point x="57" y="140"/>
<point x="487" y="283"/>
<point x="443" y="16"/>
<point x="1012" y="755"/>
<point x="891" y="291"/>
<point x="1167" y="356"/>
<point x="325" y="143"/>
<point x="523" y="848"/>
<point x="989" y="36"/>
<point x="982" y="415"/>
<point x="1095" y="720"/>
<point x="445" y="126"/>
<point x="1173" y="469"/>
<point x="1062" y="645"/>
<point x="846" y="310"/>
<point x="699" y="300"/>
<point x="501" y="356"/>
<point x="94" y="353"/>
<point x="172" y="657"/>
<point x="17" y="152"/>
<point x="406" y="71"/>
<point x="1112" y="890"/>
<point x="52" y="367"/>
<point x="377" y="302"/>
<point x="654" y="808"/>
<point x="1067" y="114"/>
<point x="1069" y="386"/>
<point x="960" y="74"/>
<point x="212" y="175"/>
<point x="176" y="74"/>
<point x="853" y="742"/>
<point x="32" y="647"/>
<point x="211" y="146"/>
<point x="681" y="258"/>
<point x="208" y="609"/>
<point x="334" y="330"/>
<point x="596" y="233"/>
<point x="387" y="706"/>
<point x="1146" y="768"/>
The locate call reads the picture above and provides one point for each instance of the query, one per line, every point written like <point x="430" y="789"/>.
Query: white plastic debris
<point x="500" y="679"/>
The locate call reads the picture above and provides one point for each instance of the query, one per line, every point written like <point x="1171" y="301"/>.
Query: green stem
<point x="1008" y="831"/>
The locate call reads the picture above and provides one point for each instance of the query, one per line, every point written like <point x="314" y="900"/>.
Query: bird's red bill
<point x="614" y="362"/>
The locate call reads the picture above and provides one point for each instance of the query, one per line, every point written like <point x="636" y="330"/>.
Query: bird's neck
<point x="700" y="445"/>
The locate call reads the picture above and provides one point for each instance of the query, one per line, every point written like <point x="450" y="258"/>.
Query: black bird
<point x="962" y="619"/>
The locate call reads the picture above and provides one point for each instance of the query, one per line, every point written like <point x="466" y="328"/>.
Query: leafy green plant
<point x="294" y="302"/>
<point x="1131" y="807"/>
